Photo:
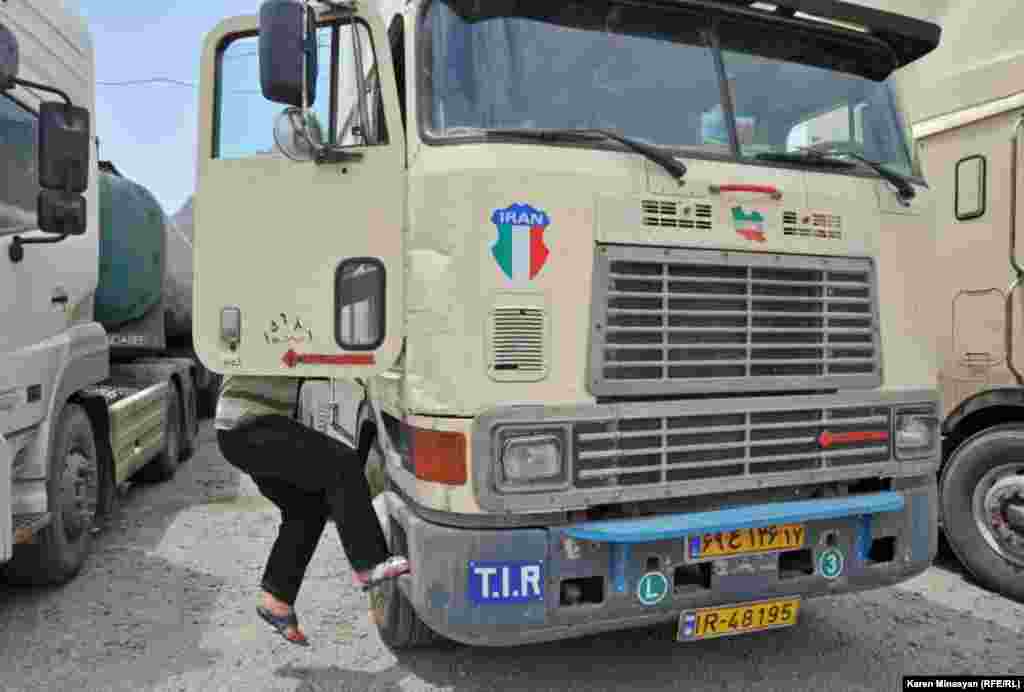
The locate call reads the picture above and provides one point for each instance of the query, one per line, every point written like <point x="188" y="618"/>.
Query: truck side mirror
<point x="63" y="147"/>
<point x="60" y="213"/>
<point x="8" y="58"/>
<point x="288" y="52"/>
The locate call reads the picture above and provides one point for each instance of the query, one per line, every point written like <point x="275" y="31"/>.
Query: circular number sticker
<point x="830" y="563"/>
<point x="652" y="588"/>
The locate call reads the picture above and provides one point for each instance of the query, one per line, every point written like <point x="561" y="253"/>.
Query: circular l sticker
<point x="830" y="563"/>
<point x="652" y="588"/>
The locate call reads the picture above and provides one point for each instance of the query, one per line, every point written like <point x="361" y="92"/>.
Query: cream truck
<point x="965" y="104"/>
<point x="621" y="297"/>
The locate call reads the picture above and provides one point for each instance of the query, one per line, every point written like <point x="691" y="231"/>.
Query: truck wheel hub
<point x="999" y="511"/>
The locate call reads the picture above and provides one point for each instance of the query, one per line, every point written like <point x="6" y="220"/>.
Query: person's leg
<point x="303" y="517"/>
<point x="314" y="462"/>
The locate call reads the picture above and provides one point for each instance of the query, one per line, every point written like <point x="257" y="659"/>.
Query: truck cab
<point x="612" y="294"/>
<point x="965" y="107"/>
<point x="80" y="414"/>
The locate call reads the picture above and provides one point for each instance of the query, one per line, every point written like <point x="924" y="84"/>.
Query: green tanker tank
<point x="145" y="261"/>
<point x="133" y="229"/>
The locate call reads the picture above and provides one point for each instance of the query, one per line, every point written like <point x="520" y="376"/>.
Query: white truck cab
<point x="79" y="415"/>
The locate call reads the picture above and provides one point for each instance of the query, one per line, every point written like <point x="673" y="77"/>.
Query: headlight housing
<point x="531" y="461"/>
<point x="916" y="433"/>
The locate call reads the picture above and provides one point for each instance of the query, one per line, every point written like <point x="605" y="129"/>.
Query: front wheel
<point x="73" y="498"/>
<point x="207" y="398"/>
<point x="982" y="504"/>
<point x="399" y="626"/>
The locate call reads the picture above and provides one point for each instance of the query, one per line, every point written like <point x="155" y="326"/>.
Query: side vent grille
<point x="323" y="417"/>
<point x="667" y="214"/>
<point x="518" y="344"/>
<point x="812" y="225"/>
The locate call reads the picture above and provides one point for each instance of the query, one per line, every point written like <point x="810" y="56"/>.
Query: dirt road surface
<point x="166" y="600"/>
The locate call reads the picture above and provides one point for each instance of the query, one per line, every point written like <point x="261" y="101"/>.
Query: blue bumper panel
<point x="920" y="527"/>
<point x="673" y="526"/>
<point x="862" y="544"/>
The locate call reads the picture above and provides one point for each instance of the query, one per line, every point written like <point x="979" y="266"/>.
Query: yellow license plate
<point x="745" y="541"/>
<point x="723" y="621"/>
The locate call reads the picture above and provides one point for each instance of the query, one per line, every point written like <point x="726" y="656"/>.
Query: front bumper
<point x="639" y="451"/>
<point x="884" y="538"/>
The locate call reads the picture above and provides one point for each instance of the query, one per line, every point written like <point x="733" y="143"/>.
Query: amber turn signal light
<point x="439" y="456"/>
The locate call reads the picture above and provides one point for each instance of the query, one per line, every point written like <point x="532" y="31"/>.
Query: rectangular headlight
<point x="531" y="461"/>
<point x="916" y="433"/>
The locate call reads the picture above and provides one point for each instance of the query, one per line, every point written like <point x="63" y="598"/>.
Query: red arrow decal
<point x="752" y="234"/>
<point x="827" y="439"/>
<point x="291" y="359"/>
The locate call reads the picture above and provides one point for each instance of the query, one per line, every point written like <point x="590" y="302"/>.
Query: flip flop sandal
<point x="281" y="623"/>
<point x="373" y="583"/>
<point x="389" y="572"/>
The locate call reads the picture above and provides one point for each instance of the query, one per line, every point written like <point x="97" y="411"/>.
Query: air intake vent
<point x="668" y="214"/>
<point x="812" y="225"/>
<point x="517" y="344"/>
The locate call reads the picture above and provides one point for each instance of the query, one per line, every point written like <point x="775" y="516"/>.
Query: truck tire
<point x="189" y="432"/>
<point x="399" y="626"/>
<point x="376" y="478"/>
<point x="208" y="397"/>
<point x="72" y="492"/>
<point x="982" y="505"/>
<point x="165" y="464"/>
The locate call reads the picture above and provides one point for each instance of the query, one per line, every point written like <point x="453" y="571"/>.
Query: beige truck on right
<point x="965" y="106"/>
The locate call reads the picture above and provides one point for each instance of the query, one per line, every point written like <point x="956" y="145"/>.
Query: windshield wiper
<point x="676" y="168"/>
<point x="828" y="156"/>
<point x="806" y="158"/>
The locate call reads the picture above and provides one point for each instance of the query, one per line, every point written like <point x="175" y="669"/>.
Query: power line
<point x="179" y="82"/>
<point x="154" y="80"/>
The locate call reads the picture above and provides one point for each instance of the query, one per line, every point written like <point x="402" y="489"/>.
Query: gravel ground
<point x="165" y="602"/>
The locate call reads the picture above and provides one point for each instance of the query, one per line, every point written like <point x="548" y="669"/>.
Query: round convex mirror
<point x="298" y="134"/>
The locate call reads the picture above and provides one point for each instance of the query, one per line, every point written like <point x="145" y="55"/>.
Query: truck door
<point x="298" y="265"/>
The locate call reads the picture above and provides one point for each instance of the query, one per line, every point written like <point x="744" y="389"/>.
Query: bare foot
<point x="275" y="606"/>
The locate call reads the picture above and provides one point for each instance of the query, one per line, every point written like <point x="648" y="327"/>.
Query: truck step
<point x="26" y="526"/>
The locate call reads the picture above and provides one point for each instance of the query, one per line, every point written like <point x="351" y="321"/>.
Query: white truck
<point x="91" y="394"/>
<point x="965" y="103"/>
<point x="617" y="295"/>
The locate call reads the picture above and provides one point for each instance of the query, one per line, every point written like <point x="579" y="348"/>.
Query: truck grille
<point x="667" y="449"/>
<point x="679" y="320"/>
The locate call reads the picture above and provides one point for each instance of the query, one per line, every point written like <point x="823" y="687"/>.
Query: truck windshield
<point x="658" y="75"/>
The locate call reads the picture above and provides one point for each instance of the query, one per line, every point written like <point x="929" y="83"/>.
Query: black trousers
<point x="310" y="477"/>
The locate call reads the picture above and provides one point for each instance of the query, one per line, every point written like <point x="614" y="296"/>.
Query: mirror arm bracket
<point x="43" y="87"/>
<point x="16" y="250"/>
<point x="339" y="6"/>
